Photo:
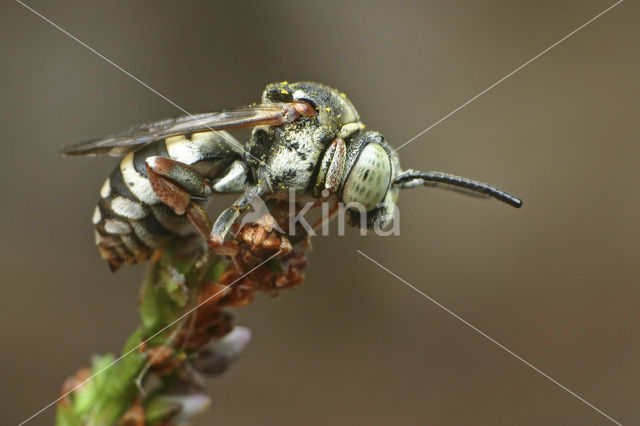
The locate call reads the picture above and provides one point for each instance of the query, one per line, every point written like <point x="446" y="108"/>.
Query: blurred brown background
<point x="556" y="282"/>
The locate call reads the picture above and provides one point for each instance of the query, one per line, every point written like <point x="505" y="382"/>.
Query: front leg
<point x="331" y="167"/>
<point x="336" y="167"/>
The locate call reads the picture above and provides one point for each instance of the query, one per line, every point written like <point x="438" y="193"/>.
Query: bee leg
<point x="234" y="179"/>
<point x="336" y="167"/>
<point x="175" y="183"/>
<point x="200" y="219"/>
<point x="330" y="213"/>
<point x="227" y="218"/>
<point x="332" y="167"/>
<point x="223" y="225"/>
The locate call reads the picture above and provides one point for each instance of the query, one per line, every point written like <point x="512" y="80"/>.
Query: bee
<point x="306" y="137"/>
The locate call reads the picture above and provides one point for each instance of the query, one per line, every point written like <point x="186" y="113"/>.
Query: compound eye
<point x="369" y="179"/>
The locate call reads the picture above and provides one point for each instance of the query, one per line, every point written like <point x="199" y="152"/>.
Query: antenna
<point x="411" y="178"/>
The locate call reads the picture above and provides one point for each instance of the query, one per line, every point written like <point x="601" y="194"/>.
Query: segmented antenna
<point x="411" y="178"/>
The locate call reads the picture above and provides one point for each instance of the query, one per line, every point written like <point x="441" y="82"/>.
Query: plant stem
<point x="184" y="334"/>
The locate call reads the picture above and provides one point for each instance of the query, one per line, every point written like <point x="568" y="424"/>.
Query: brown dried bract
<point x="256" y="242"/>
<point x="202" y="327"/>
<point x="163" y="360"/>
<point x="134" y="416"/>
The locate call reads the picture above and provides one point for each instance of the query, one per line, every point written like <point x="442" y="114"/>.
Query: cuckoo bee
<point x="306" y="137"/>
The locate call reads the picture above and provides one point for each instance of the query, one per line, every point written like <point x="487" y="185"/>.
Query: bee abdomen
<point x="130" y="220"/>
<point x="115" y="234"/>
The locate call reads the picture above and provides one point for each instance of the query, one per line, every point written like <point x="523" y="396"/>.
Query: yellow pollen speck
<point x="343" y="95"/>
<point x="328" y="109"/>
<point x="284" y="92"/>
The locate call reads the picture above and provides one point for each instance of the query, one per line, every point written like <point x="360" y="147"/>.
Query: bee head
<point x="372" y="180"/>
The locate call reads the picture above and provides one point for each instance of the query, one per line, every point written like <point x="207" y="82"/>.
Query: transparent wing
<point x="122" y="142"/>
